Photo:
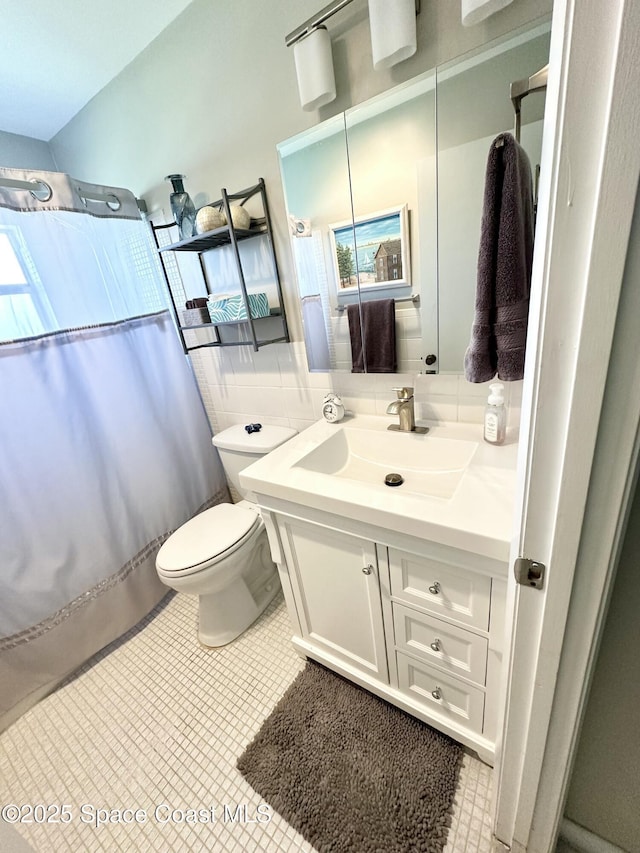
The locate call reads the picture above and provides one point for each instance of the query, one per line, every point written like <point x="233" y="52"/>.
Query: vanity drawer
<point x="447" y="591"/>
<point x="437" y="691"/>
<point x="440" y="643"/>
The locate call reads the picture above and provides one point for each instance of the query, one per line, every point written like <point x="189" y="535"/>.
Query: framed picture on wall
<point x="373" y="249"/>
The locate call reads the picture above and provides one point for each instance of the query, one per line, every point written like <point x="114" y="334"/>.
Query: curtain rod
<point x="319" y="18"/>
<point x="415" y="298"/>
<point x="43" y="187"/>
<point x="33" y="187"/>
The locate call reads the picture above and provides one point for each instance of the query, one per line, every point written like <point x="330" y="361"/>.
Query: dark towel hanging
<point x="499" y="333"/>
<point x="379" y="334"/>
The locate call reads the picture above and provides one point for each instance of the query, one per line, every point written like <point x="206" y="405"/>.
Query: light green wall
<point x="215" y="92"/>
<point x="23" y="152"/>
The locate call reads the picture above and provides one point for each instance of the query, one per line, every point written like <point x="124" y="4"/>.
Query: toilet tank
<point x="238" y="449"/>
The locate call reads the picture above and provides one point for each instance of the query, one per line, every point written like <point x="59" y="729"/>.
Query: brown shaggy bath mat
<point x="351" y="772"/>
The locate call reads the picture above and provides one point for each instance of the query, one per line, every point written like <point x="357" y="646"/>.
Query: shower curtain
<point x="105" y="448"/>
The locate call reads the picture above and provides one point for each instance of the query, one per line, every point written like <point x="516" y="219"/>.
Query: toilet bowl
<point x="222" y="555"/>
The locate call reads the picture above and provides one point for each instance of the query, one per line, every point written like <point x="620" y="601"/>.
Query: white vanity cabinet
<point x="420" y="626"/>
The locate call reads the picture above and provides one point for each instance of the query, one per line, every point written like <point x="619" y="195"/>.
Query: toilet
<point x="222" y="555"/>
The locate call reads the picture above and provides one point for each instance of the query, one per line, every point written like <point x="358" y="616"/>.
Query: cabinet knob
<point x="436" y="645"/>
<point x="434" y="589"/>
<point x="437" y="693"/>
<point x="367" y="570"/>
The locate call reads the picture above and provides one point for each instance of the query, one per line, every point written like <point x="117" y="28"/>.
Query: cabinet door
<point x="337" y="592"/>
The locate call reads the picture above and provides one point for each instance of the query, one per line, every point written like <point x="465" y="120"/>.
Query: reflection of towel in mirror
<point x="379" y="335"/>
<point x="499" y="333"/>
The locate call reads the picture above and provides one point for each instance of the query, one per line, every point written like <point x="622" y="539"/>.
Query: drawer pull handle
<point x="367" y="570"/>
<point x="437" y="694"/>
<point x="434" y="589"/>
<point x="436" y="645"/>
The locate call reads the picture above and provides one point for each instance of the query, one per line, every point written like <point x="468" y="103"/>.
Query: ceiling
<point x="57" y="54"/>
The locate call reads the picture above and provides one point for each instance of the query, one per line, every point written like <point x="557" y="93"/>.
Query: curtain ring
<point x="43" y="194"/>
<point x="110" y="199"/>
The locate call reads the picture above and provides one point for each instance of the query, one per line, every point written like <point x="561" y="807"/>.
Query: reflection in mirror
<point x="392" y="161"/>
<point x="375" y="245"/>
<point x="474" y="106"/>
<point x="381" y="208"/>
<point x="315" y="176"/>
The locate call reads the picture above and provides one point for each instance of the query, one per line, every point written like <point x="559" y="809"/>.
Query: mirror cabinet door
<point x="392" y="161"/>
<point x="474" y="106"/>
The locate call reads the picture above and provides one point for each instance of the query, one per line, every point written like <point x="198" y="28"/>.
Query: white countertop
<point x="477" y="518"/>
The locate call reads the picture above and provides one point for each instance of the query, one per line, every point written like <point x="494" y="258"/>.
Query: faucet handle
<point x="405" y="393"/>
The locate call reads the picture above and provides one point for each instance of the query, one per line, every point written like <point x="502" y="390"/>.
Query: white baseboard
<point x="583" y="840"/>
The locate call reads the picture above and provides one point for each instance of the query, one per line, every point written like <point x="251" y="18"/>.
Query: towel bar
<point x="415" y="298"/>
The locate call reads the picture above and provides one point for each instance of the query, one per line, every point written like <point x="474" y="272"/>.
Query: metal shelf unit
<point x="228" y="235"/>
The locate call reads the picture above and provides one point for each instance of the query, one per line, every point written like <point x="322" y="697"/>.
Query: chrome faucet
<point x="403" y="407"/>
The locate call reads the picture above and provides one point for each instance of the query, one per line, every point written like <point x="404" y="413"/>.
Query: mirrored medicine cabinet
<point x="385" y="201"/>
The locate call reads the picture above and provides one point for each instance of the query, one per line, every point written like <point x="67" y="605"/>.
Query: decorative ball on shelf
<point x="240" y="217"/>
<point x="208" y="218"/>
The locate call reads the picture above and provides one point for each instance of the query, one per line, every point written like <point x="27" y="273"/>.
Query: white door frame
<point x="589" y="178"/>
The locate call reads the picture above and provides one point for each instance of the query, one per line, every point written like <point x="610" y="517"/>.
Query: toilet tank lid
<point x="264" y="441"/>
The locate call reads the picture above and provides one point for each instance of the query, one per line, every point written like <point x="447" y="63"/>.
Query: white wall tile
<point x="301" y="425"/>
<point x="266" y="367"/>
<point x="224" y="366"/>
<point x="471" y="410"/>
<point x="409" y="349"/>
<point x="514" y="414"/>
<point x="360" y="404"/>
<point x="238" y="385"/>
<point x="241" y="359"/>
<point x="345" y="383"/>
<point x="213" y="414"/>
<point x="408" y="323"/>
<point x="320" y="381"/>
<point x="410" y="365"/>
<point x="437" y="409"/>
<point x="342" y="350"/>
<point x="266" y="402"/>
<point x="515" y="393"/>
<point x="442" y="386"/>
<point x="473" y="389"/>
<point x="210" y="360"/>
<point x="292" y="371"/>
<point x="298" y="403"/>
<point x="238" y="399"/>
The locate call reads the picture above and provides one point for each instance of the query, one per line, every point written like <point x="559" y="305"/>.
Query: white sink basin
<point x="429" y="465"/>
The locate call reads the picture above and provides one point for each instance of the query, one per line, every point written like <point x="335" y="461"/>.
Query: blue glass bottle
<point x="182" y="207"/>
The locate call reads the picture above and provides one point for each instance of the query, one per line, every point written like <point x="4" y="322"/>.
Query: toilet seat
<point x="207" y="539"/>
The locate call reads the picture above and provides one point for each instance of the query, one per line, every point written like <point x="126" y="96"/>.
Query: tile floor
<point x="155" y="723"/>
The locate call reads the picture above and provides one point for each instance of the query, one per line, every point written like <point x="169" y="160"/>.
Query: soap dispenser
<point x="495" y="416"/>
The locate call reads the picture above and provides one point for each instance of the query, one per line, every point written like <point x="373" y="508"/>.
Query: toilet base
<point x="224" y="615"/>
